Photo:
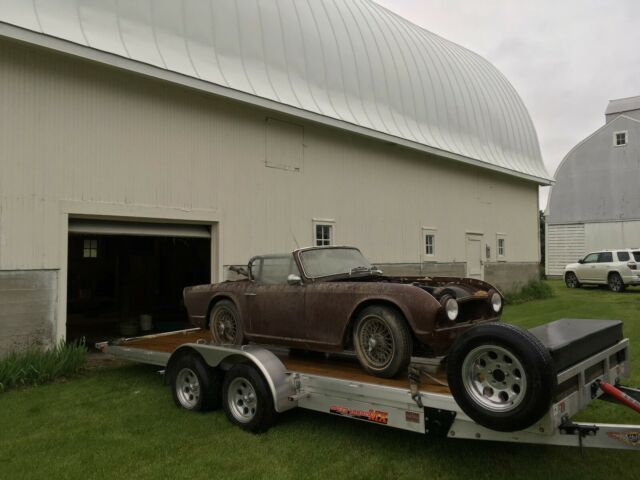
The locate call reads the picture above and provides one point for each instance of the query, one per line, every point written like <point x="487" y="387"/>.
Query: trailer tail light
<point x="632" y="265"/>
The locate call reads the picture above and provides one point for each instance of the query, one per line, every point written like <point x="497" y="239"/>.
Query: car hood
<point x="436" y="286"/>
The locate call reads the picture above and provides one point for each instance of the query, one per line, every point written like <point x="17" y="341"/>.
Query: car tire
<point x="571" y="280"/>
<point x="225" y="324"/>
<point x="247" y="399"/>
<point x="615" y="283"/>
<point x="194" y="385"/>
<point x="501" y="376"/>
<point x="382" y="341"/>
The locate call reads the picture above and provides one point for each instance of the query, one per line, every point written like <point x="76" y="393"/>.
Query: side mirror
<point x="294" y="279"/>
<point x="581" y="260"/>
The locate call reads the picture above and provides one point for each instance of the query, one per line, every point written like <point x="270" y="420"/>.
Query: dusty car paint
<point x="319" y="313"/>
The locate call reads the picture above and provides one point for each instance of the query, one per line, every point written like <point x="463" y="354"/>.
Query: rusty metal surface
<point x="319" y="314"/>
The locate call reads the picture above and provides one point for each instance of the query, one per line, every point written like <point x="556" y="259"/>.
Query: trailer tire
<point x="501" y="376"/>
<point x="247" y="399"/>
<point x="194" y="385"/>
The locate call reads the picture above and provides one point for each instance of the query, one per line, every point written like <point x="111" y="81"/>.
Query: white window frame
<point x="626" y="138"/>
<point x="324" y="222"/>
<point x="424" y="256"/>
<point x="505" y="248"/>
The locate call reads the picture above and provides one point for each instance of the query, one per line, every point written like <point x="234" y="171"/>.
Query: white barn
<point x="149" y="145"/>
<point x="595" y="202"/>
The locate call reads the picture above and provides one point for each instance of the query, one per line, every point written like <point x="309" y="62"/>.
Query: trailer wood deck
<point x="310" y="363"/>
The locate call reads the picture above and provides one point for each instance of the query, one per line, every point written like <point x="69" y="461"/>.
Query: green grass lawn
<point x="121" y="423"/>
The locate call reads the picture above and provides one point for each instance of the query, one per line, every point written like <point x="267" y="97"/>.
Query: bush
<point x="36" y="366"/>
<point x="533" y="290"/>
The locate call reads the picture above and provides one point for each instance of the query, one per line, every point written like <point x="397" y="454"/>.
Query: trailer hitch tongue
<point x="620" y="396"/>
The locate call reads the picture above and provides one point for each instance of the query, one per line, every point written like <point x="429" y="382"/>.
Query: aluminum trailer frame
<point x="432" y="411"/>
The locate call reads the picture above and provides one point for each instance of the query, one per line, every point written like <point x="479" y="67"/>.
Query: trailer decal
<point x="375" y="416"/>
<point x="413" y="417"/>
<point x="630" y="438"/>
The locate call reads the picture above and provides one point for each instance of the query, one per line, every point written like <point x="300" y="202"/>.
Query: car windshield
<point x="636" y="255"/>
<point x="324" y="262"/>
<point x="273" y="269"/>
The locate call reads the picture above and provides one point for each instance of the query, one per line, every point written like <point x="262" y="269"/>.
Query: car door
<point x="605" y="259"/>
<point x="275" y="307"/>
<point x="327" y="306"/>
<point x="586" y="270"/>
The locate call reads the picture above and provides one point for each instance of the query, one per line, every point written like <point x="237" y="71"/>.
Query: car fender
<point x="418" y="307"/>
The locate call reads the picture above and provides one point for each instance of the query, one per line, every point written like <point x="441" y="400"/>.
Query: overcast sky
<point x="566" y="58"/>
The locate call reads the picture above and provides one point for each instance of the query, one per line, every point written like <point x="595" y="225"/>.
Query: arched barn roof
<point x="352" y="64"/>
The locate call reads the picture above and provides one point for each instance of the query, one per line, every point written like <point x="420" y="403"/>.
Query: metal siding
<point x="355" y="62"/>
<point x="621" y="105"/>
<point x="564" y="244"/>
<point x="609" y="235"/>
<point x="116" y="143"/>
<point x="597" y="182"/>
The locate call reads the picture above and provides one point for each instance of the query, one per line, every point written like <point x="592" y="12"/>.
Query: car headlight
<point x="451" y="308"/>
<point x="496" y="301"/>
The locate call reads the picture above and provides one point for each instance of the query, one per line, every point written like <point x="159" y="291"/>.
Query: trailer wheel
<point x="194" y="385"/>
<point x="225" y="324"/>
<point x="382" y="341"/>
<point x="247" y="399"/>
<point x="501" y="376"/>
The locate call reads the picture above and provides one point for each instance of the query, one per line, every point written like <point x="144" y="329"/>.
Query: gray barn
<point x="595" y="202"/>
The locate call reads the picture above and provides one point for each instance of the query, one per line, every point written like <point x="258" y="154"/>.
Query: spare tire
<point x="501" y="376"/>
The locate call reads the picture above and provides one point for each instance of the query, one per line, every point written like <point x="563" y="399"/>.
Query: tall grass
<point x="533" y="290"/>
<point x="36" y="366"/>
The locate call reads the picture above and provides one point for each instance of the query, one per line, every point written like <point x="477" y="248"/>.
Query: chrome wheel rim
<point x="376" y="342"/>
<point x="494" y="378"/>
<point x="571" y="280"/>
<point x="615" y="282"/>
<point x="188" y="388"/>
<point x="242" y="399"/>
<point x="224" y="326"/>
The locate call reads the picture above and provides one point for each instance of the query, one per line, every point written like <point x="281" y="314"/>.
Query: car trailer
<point x="253" y="383"/>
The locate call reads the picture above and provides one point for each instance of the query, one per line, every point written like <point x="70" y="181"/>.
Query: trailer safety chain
<point x="415" y="374"/>
<point x="415" y="378"/>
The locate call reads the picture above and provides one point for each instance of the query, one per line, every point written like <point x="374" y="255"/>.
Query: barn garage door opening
<point x="126" y="279"/>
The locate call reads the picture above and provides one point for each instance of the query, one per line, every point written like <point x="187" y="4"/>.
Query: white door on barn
<point x="475" y="264"/>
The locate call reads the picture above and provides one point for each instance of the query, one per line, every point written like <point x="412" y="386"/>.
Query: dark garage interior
<point x="125" y="285"/>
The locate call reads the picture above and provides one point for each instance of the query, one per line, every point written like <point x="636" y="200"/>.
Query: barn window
<point x="501" y="246"/>
<point x="619" y="139"/>
<point x="428" y="245"/>
<point x="90" y="248"/>
<point x="323" y="233"/>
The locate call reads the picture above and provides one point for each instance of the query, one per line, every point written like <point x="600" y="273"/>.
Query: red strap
<point x="620" y="396"/>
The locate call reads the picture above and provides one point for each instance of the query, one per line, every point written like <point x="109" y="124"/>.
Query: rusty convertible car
<point x="331" y="299"/>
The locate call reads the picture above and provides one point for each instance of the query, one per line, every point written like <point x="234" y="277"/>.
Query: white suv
<point x="615" y="268"/>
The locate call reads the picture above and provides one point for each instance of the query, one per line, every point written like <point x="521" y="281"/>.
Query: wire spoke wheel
<point x="494" y="378"/>
<point x="224" y="326"/>
<point x="187" y="388"/>
<point x="376" y="341"/>
<point x="242" y="399"/>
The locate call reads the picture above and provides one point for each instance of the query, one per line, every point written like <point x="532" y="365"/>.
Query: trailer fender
<point x="272" y="369"/>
